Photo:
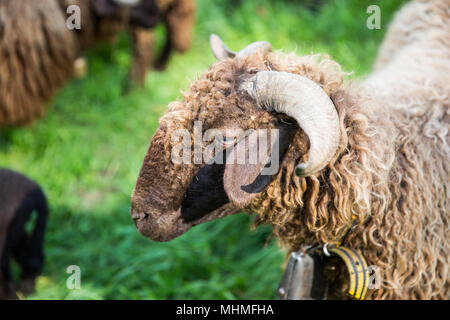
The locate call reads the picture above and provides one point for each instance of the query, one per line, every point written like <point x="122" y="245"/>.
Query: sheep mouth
<point x="203" y="200"/>
<point x="168" y="226"/>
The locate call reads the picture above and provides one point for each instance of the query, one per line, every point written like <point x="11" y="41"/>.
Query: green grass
<point x="86" y="153"/>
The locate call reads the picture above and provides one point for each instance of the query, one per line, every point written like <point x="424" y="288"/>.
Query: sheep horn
<point x="129" y="3"/>
<point x="219" y="49"/>
<point x="306" y="102"/>
<point x="263" y="46"/>
<point x="221" y="52"/>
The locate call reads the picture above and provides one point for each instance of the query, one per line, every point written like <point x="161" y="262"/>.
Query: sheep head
<point x="251" y="94"/>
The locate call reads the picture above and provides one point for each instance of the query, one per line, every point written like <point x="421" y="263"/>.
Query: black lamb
<point x="19" y="198"/>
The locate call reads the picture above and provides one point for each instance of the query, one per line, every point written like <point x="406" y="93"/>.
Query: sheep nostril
<point x="139" y="216"/>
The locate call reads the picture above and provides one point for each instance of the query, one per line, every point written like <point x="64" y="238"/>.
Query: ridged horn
<point x="263" y="46"/>
<point x="221" y="51"/>
<point x="306" y="102"/>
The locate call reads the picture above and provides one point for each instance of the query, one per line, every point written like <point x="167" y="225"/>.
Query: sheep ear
<point x="219" y="49"/>
<point x="245" y="180"/>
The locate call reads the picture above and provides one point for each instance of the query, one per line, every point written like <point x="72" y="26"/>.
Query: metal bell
<point x="302" y="279"/>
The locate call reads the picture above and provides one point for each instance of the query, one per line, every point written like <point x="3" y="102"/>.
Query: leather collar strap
<point x="357" y="269"/>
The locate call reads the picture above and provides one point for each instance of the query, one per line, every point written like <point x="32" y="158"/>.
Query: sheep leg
<point x="143" y="43"/>
<point x="25" y="257"/>
<point x="27" y="250"/>
<point x="179" y="21"/>
<point x="7" y="290"/>
<point x="14" y="232"/>
<point x="161" y="63"/>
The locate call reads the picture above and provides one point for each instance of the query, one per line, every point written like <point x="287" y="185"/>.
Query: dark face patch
<point x="205" y="193"/>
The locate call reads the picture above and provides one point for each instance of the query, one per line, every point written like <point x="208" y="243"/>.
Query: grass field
<point x="87" y="151"/>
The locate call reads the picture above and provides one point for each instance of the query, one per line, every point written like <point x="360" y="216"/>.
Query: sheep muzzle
<point x="167" y="226"/>
<point x="168" y="199"/>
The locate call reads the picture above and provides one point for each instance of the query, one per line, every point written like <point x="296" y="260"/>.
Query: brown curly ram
<point x="377" y="149"/>
<point x="38" y="52"/>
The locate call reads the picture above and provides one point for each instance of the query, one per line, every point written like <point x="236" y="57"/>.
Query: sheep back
<point x="36" y="58"/>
